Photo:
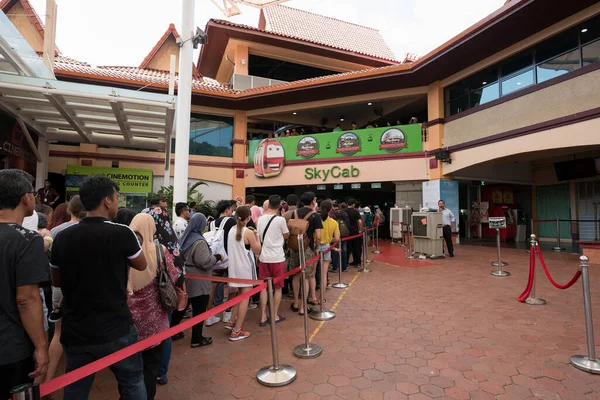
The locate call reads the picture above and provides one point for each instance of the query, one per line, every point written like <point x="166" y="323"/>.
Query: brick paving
<point x="446" y="331"/>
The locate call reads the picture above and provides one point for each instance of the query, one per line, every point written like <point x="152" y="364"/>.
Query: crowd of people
<point x="91" y="278"/>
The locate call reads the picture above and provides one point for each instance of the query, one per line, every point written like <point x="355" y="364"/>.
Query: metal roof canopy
<point x="81" y="113"/>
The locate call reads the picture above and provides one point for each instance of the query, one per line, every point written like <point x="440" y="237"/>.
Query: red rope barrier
<point x="351" y="237"/>
<point x="523" y="296"/>
<point x="104" y="362"/>
<point x="224" y="280"/>
<point x="556" y="284"/>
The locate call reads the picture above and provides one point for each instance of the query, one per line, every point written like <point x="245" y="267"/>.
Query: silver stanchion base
<point x="436" y="256"/>
<point x="500" y="273"/>
<point x="558" y="249"/>
<point x="495" y="264"/>
<point x="340" y="285"/>
<point x="376" y="251"/>
<point x="369" y="261"/>
<point x="274" y="377"/>
<point x="312" y="351"/>
<point x="365" y="269"/>
<point x="534" y="301"/>
<point x="585" y="364"/>
<point x="322" y="315"/>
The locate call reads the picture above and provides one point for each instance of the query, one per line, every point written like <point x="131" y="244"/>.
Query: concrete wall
<point x="18" y="16"/>
<point x="572" y="96"/>
<point x="409" y="194"/>
<point x="162" y="58"/>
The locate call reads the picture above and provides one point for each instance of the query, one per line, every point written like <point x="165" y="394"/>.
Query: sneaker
<point x="252" y="306"/>
<point x="162" y="380"/>
<point x="332" y="270"/>
<point x="226" y="317"/>
<point x="178" y="336"/>
<point x="239" y="335"/>
<point x="212" y="320"/>
<point x="230" y="325"/>
<point x="55" y="315"/>
<point x="188" y="313"/>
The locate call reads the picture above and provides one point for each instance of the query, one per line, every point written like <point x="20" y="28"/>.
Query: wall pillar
<point x="41" y="170"/>
<point x="435" y="132"/>
<point x="240" y="128"/>
<point x="241" y="59"/>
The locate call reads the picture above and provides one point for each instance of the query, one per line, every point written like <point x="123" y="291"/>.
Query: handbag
<point x="182" y="297"/>
<point x="166" y="290"/>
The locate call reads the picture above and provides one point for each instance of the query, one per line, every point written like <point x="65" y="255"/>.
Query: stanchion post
<point x="499" y="263"/>
<point x="321" y="314"/>
<point x="532" y="300"/>
<point x="366" y="245"/>
<point x="377" y="251"/>
<point x="306" y="349"/>
<point x="365" y="253"/>
<point x="276" y="374"/>
<point x="589" y="363"/>
<point x="557" y="248"/>
<point x="26" y="391"/>
<point x="410" y="244"/>
<point x="340" y="284"/>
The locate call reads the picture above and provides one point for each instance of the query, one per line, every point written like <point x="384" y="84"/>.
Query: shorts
<point x="56" y="297"/>
<point x="272" y="270"/>
<point x="220" y="272"/>
<point x="295" y="261"/>
<point x="326" y="256"/>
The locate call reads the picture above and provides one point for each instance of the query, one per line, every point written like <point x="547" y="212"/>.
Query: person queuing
<point x="96" y="320"/>
<point x="59" y="216"/>
<point x="242" y="243"/>
<point x="199" y="260"/>
<point x="23" y="266"/>
<point x="159" y="201"/>
<point x="355" y="226"/>
<point x="77" y="212"/>
<point x="448" y="221"/>
<point x="47" y="195"/>
<point x="182" y="210"/>
<point x="341" y="217"/>
<point x="329" y="234"/>
<point x="273" y="232"/>
<point x="124" y="216"/>
<point x="148" y="313"/>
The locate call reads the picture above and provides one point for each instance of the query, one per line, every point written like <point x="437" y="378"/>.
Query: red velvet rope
<point x="556" y="284"/>
<point x="523" y="296"/>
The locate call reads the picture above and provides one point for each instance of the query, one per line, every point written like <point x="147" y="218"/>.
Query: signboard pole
<point x="557" y="248"/>
<point x="499" y="263"/>
<point x="377" y="251"/>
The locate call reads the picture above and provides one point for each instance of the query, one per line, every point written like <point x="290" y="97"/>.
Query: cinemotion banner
<point x="269" y="155"/>
<point x="130" y="180"/>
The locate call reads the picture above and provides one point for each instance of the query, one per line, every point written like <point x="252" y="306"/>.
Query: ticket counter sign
<point x="129" y="180"/>
<point x="270" y="155"/>
<point x="497" y="222"/>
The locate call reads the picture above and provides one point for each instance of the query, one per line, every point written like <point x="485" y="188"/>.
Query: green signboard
<point x="130" y="180"/>
<point x="269" y="155"/>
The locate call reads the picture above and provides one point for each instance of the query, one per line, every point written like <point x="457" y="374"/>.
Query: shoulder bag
<point x="166" y="290"/>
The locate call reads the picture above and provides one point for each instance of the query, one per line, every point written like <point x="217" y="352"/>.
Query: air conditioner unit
<point x="427" y="225"/>
<point x="399" y="216"/>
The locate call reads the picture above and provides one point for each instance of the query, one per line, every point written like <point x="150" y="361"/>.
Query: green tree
<point x="168" y="193"/>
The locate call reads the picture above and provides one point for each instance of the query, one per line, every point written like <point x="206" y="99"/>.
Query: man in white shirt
<point x="448" y="222"/>
<point x="182" y="210"/>
<point x="273" y="232"/>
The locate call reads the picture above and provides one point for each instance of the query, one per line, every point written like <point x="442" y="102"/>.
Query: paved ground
<point x="448" y="330"/>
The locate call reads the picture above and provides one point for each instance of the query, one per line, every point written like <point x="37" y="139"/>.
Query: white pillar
<point x="50" y="35"/>
<point x="41" y="171"/>
<point x="167" y="174"/>
<point x="184" y="103"/>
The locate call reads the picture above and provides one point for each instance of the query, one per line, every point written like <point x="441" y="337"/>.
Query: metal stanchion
<point x="532" y="235"/>
<point x="499" y="263"/>
<point x="411" y="253"/>
<point x="26" y="391"/>
<point x="365" y="253"/>
<point x="377" y="251"/>
<point x="366" y="239"/>
<point x="322" y="314"/>
<point x="557" y="248"/>
<point x="340" y="284"/>
<point x="589" y="363"/>
<point x="532" y="300"/>
<point x="276" y="374"/>
<point x="306" y="349"/>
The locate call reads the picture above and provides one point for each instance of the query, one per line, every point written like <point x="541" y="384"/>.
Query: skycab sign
<point x="335" y="172"/>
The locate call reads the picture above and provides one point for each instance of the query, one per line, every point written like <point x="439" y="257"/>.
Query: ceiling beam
<point x="121" y="120"/>
<point x="13" y="111"/>
<point x="58" y="103"/>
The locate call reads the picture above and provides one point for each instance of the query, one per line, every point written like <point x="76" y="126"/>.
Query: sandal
<point x="309" y="311"/>
<point x="294" y="308"/>
<point x="204" y="342"/>
<point x="265" y="322"/>
<point x="314" y="302"/>
<point x="281" y="318"/>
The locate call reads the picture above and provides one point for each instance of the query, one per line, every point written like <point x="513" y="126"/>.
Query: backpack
<point x="344" y="231"/>
<point x="215" y="238"/>
<point x="298" y="227"/>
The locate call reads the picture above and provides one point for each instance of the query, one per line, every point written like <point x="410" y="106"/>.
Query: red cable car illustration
<point x="269" y="158"/>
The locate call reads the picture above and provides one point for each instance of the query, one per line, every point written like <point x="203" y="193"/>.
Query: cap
<point x="366" y="209"/>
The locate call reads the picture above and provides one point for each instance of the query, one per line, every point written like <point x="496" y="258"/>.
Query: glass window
<point x="591" y="53"/>
<point x="483" y="78"/>
<point x="517" y="63"/>
<point x="590" y="30"/>
<point x="556" y="45"/>
<point x="211" y="135"/>
<point x="517" y="82"/>
<point x="485" y="94"/>
<point x="458" y="89"/>
<point x="558" y="66"/>
<point x="459" y="105"/>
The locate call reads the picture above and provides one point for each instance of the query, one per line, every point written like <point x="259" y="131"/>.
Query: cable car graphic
<point x="269" y="158"/>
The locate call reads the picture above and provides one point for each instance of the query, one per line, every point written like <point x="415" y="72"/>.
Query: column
<point x="240" y="128"/>
<point x="41" y="171"/>
<point x="435" y="132"/>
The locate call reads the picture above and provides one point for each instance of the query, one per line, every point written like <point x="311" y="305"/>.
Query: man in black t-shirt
<point x="315" y="224"/>
<point x="355" y="227"/>
<point x="90" y="261"/>
<point x="23" y="265"/>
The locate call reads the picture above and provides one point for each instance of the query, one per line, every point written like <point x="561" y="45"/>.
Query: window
<point x="555" y="56"/>
<point x="210" y="135"/>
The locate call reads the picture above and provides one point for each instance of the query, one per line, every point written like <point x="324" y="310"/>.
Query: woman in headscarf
<point x="199" y="260"/>
<point x="148" y="313"/>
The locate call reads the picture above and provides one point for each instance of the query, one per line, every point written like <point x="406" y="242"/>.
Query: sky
<point x="122" y="32"/>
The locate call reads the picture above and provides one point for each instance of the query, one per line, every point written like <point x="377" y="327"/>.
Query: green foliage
<point x="168" y="193"/>
<point x="207" y="207"/>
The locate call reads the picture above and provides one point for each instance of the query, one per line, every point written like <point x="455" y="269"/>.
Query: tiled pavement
<point x="446" y="331"/>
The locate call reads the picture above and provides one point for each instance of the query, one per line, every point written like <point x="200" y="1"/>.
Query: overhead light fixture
<point x="484" y="83"/>
<point x="584" y="30"/>
<point x="342" y="119"/>
<point x="518" y="83"/>
<point x="295" y="113"/>
<point x="369" y="104"/>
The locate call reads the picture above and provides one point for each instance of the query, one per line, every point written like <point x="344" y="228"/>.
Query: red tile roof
<point x="170" y="31"/>
<point x="315" y="28"/>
